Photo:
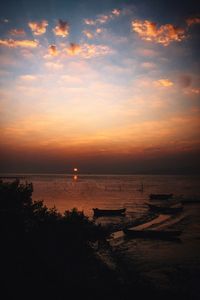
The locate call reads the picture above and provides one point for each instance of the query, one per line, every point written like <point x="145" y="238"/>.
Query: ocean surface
<point x="167" y="265"/>
<point x="106" y="191"/>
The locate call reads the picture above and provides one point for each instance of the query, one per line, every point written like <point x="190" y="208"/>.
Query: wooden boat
<point x="109" y="212"/>
<point x="152" y="233"/>
<point x="160" y="196"/>
<point x="166" y="209"/>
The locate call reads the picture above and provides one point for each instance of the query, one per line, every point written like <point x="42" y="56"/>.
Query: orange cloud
<point x="88" y="34"/>
<point x="195" y="91"/>
<point x="86" y="50"/>
<point x="28" y="77"/>
<point x="62" y="29"/>
<point x="148" y="65"/>
<point x="164" y="82"/>
<point x="102" y="19"/>
<point x="73" y="49"/>
<point x="116" y="12"/>
<point x="54" y="66"/>
<point x="19" y="43"/>
<point x="147" y="52"/>
<point x="89" y="22"/>
<point x="99" y="30"/>
<point x="193" y="20"/>
<point x="53" y="50"/>
<point x="38" y="28"/>
<point x="19" y="31"/>
<point x="164" y="34"/>
<point x="89" y="51"/>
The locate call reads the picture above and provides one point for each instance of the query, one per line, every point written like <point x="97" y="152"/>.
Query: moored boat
<point x="160" y="196"/>
<point x="109" y="212"/>
<point x="169" y="209"/>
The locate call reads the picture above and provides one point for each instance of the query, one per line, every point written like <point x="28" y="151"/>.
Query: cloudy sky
<point x="107" y="86"/>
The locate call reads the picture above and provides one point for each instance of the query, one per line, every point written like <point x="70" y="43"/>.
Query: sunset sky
<point x="105" y="86"/>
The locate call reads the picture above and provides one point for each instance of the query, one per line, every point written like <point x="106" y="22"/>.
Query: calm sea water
<point x="165" y="264"/>
<point x="107" y="191"/>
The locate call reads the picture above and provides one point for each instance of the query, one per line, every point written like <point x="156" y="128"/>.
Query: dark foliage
<point x="45" y="252"/>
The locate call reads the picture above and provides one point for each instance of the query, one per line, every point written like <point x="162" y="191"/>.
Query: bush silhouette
<point x="42" y="248"/>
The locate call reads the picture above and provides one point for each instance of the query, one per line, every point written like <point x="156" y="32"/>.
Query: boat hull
<point x="166" y="210"/>
<point x="160" y="196"/>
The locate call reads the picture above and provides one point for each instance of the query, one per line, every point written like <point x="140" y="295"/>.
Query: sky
<point x="105" y="86"/>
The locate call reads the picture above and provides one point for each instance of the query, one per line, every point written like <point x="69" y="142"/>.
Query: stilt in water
<point x="141" y="188"/>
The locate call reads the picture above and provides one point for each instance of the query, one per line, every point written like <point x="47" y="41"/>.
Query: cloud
<point x="27" y="53"/>
<point x="73" y="49"/>
<point x="192" y="91"/>
<point x="53" y="50"/>
<point x="193" y="21"/>
<point x="148" y="65"/>
<point x="164" y="34"/>
<point x="99" y="30"/>
<point x="147" y="52"/>
<point x="54" y="65"/>
<point x="19" y="43"/>
<point x="89" y="22"/>
<point x="88" y="34"/>
<point x="62" y="29"/>
<point x="116" y="12"/>
<point x="19" y="31"/>
<point x="72" y="80"/>
<point x="38" y="28"/>
<point x="164" y="82"/>
<point x="89" y="51"/>
<point x="195" y="91"/>
<point x="104" y="18"/>
<point x="185" y="80"/>
<point x="27" y="77"/>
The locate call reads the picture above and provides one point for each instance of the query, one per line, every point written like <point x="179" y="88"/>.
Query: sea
<point x="167" y="265"/>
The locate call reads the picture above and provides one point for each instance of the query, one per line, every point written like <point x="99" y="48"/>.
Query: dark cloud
<point x="185" y="80"/>
<point x="186" y="162"/>
<point x="193" y="21"/>
<point x="62" y="29"/>
<point x="53" y="50"/>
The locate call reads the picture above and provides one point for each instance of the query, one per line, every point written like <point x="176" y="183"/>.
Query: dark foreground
<point x="46" y="254"/>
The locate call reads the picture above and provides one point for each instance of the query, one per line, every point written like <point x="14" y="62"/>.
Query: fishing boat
<point x="152" y="233"/>
<point x="169" y="209"/>
<point x="160" y="196"/>
<point x="109" y="212"/>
